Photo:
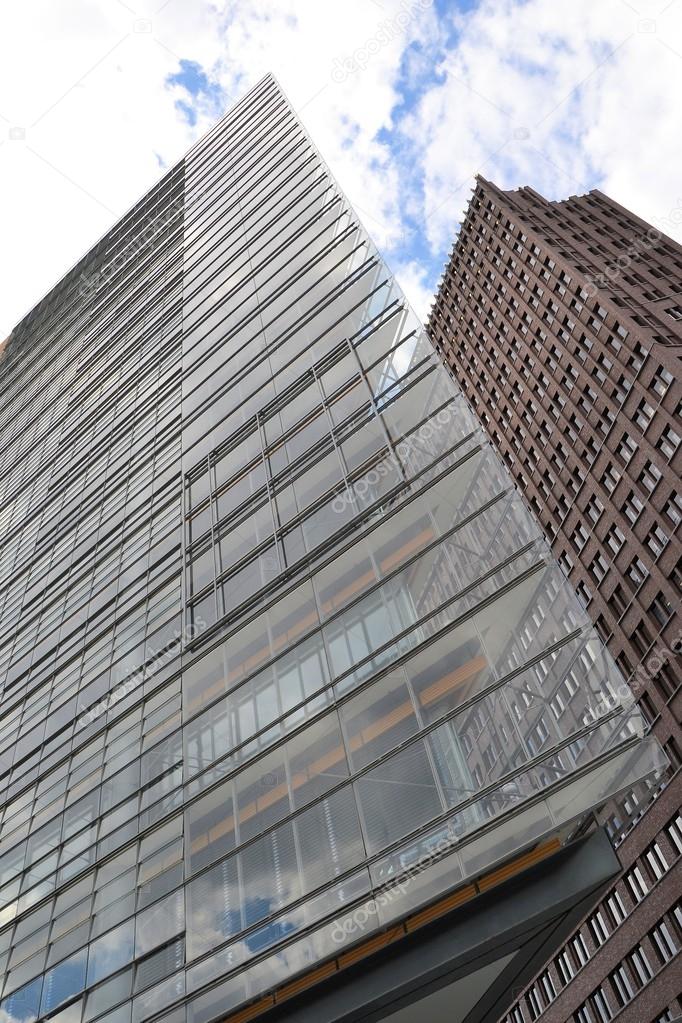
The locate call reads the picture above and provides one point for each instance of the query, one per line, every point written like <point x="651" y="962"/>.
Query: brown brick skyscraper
<point x="562" y="323"/>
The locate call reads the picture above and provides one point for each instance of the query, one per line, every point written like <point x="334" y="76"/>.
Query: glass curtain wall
<point x="279" y="631"/>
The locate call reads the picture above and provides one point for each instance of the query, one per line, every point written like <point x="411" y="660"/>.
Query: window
<point x="638" y="357"/>
<point x="656" y="541"/>
<point x="598" y="567"/>
<point x="110" y="952"/>
<point x="594" y="509"/>
<point x="642" y="638"/>
<point x="161" y="922"/>
<point x="656" y="860"/>
<point x="626" y="448"/>
<point x="673" y="508"/>
<point x="673" y="753"/>
<point x="661" y="609"/>
<point x="669" y="1016"/>
<point x="661" y="381"/>
<point x="565" y="967"/>
<point x="616" y="908"/>
<point x="64" y="981"/>
<point x="601" y="1005"/>
<point x="637" y="884"/>
<point x="676" y="576"/>
<point x="666" y="683"/>
<point x="642" y="967"/>
<point x="637" y="571"/>
<point x="622" y="388"/>
<point x="580" y="949"/>
<point x="548" y="986"/>
<point x="650" y="476"/>
<point x="633" y="507"/>
<point x="610" y="478"/>
<point x="622" y="985"/>
<point x="23" y="1003"/>
<point x="618" y="600"/>
<point x="535" y="1006"/>
<point x="624" y="665"/>
<point x="668" y="442"/>
<point x="606" y="421"/>
<point x="675" y="833"/>
<point x="603" y="629"/>
<point x="643" y="415"/>
<point x="580" y="537"/>
<point x="599" y="929"/>
<point x="615" y="539"/>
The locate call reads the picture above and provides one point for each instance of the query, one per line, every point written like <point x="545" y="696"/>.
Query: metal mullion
<point x="270" y="493"/>
<point x="284" y="336"/>
<point x="391" y="668"/>
<point x="475" y="795"/>
<point x="367" y="520"/>
<point x="384" y="428"/>
<point x="213" y="506"/>
<point x="335" y="445"/>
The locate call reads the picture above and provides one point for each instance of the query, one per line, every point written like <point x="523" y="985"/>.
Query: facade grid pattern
<point x="277" y="625"/>
<point x="560" y="321"/>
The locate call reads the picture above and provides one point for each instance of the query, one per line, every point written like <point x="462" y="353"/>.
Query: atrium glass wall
<point x="277" y="626"/>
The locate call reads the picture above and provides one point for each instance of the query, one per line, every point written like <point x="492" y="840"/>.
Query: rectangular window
<point x="673" y="509"/>
<point x="564" y="966"/>
<point x="668" y="442"/>
<point x="637" y="884"/>
<point x="633" y="507"/>
<point x="643" y="415"/>
<point x="580" y="949"/>
<point x="601" y="1005"/>
<point x="650" y="476"/>
<point x="615" y="538"/>
<point x="657" y="541"/>
<point x="598" y="568"/>
<point x="598" y="927"/>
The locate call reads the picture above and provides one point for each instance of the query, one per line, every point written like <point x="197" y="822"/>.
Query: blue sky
<point x="201" y="91"/>
<point x="406" y="99"/>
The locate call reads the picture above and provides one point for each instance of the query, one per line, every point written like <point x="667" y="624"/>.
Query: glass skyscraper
<point x="284" y="658"/>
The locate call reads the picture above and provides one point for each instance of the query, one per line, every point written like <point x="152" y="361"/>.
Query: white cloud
<point x="558" y="96"/>
<point x="429" y="98"/>
<point x="417" y="288"/>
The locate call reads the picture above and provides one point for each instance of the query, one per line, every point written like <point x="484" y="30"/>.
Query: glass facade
<point x="277" y="629"/>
